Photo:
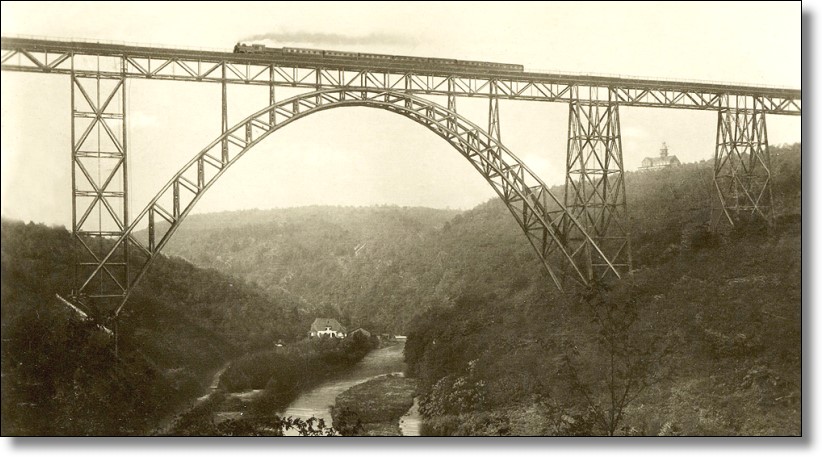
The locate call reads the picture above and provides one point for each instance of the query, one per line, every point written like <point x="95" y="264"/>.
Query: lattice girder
<point x="742" y="166"/>
<point x="99" y="187"/>
<point x="50" y="56"/>
<point x="595" y="186"/>
<point x="532" y="204"/>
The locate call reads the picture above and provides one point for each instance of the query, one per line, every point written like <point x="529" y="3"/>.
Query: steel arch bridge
<point x="584" y="231"/>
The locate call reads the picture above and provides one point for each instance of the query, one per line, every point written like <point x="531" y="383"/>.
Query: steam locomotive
<point x="360" y="59"/>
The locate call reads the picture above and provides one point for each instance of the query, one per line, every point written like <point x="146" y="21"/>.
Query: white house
<point x="324" y="326"/>
<point x="663" y="161"/>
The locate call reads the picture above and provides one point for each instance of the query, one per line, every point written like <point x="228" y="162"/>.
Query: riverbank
<point x="318" y="401"/>
<point x="248" y="412"/>
<point x="246" y="397"/>
<point x="280" y="375"/>
<point x="374" y="408"/>
<point x="170" y="423"/>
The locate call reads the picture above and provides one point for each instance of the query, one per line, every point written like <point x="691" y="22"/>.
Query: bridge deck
<point x="49" y="56"/>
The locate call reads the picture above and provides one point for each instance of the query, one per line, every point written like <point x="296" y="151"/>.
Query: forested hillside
<point x="357" y="264"/>
<point x="412" y="259"/>
<point x="60" y="376"/>
<point x="706" y="341"/>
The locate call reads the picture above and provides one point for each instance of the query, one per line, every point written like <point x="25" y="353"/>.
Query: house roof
<point x="362" y="330"/>
<point x="321" y="323"/>
<point x="659" y="161"/>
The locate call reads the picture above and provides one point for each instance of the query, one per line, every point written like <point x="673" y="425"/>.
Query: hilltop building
<point x="663" y="161"/>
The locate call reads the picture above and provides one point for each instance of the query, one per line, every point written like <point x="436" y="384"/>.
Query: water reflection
<point x="318" y="401"/>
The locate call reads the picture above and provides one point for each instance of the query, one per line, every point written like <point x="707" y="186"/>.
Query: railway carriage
<point x="380" y="60"/>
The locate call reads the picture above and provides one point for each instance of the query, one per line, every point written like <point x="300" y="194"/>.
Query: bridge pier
<point x="595" y="185"/>
<point x="99" y="180"/>
<point x="742" y="163"/>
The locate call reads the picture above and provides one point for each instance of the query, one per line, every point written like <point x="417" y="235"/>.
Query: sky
<point x="361" y="156"/>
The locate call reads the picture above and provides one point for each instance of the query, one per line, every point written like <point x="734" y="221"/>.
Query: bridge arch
<point x="541" y="215"/>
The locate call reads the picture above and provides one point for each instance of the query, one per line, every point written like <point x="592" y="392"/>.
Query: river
<point x="318" y="401"/>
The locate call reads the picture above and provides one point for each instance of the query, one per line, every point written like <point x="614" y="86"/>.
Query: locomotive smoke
<point x="322" y="39"/>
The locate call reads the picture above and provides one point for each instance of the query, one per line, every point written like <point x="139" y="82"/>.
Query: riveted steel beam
<point x="742" y="163"/>
<point x="49" y="56"/>
<point x="595" y="185"/>
<point x="100" y="205"/>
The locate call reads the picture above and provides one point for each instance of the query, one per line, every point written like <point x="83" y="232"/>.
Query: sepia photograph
<point x="402" y="219"/>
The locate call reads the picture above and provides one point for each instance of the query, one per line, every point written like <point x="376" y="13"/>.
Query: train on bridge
<point x="360" y="59"/>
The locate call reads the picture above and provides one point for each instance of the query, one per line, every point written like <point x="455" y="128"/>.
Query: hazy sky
<point x="361" y="156"/>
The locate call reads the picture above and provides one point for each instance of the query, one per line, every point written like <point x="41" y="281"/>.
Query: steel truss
<point x="47" y="56"/>
<point x="493" y="116"/>
<point x="742" y="163"/>
<point x="595" y="186"/>
<point x="99" y="175"/>
<point x="526" y="196"/>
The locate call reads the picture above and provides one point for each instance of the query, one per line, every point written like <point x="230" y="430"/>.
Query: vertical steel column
<point x="452" y="104"/>
<point x="493" y="113"/>
<point x="272" y="119"/>
<point x="742" y="163"/>
<point x="595" y="185"/>
<point x="99" y="173"/>
<point x="224" y="124"/>
<point x="126" y="219"/>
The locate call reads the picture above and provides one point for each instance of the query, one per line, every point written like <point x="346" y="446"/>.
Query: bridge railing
<point x="657" y="78"/>
<point x="121" y="43"/>
<point x="527" y="69"/>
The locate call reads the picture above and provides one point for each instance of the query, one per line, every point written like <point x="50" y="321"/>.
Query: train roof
<point x="299" y="50"/>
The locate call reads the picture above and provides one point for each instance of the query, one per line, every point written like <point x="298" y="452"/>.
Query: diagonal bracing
<point x="99" y="189"/>
<point x="742" y="165"/>
<point x="595" y="186"/>
<point x="527" y="197"/>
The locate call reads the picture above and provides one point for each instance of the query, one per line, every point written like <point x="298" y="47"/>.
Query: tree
<point x="346" y="421"/>
<point x="624" y="359"/>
